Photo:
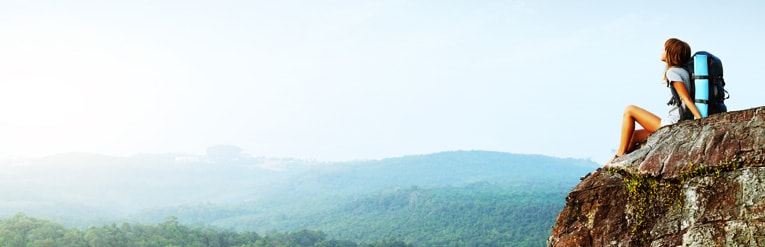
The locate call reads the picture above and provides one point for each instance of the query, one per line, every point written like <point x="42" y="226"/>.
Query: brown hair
<point x="677" y="54"/>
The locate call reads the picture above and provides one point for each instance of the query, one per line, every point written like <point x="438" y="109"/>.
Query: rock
<point x="695" y="183"/>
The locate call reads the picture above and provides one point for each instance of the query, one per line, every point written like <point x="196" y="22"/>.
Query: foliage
<point x="462" y="198"/>
<point x="479" y="214"/>
<point x="476" y="215"/>
<point x="21" y="230"/>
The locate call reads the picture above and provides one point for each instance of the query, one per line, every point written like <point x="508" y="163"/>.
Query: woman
<point x="676" y="54"/>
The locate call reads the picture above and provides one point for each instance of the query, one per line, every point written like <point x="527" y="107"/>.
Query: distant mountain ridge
<point x="448" y="168"/>
<point x="159" y="180"/>
<point x="428" y="193"/>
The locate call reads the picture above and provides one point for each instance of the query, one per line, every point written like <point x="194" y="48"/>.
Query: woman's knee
<point x="631" y="109"/>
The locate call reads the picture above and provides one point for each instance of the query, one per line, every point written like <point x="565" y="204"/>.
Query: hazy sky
<point x="342" y="80"/>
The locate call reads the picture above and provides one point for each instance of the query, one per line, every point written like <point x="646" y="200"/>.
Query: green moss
<point x="651" y="197"/>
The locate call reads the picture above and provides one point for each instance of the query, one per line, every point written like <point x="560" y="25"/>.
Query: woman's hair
<point x="677" y="54"/>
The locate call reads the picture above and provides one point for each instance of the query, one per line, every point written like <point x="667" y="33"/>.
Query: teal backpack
<point x="717" y="92"/>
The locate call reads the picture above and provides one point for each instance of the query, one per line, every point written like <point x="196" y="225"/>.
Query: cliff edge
<point x="695" y="183"/>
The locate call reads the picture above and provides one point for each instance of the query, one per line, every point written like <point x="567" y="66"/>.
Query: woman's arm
<point x="683" y="93"/>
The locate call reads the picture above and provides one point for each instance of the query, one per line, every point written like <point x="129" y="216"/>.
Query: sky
<point x="348" y="80"/>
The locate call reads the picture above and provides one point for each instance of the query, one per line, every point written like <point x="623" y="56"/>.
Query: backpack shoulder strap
<point x="685" y="113"/>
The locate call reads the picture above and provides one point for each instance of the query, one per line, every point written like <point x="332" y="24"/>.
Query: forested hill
<point x="447" y="168"/>
<point x="448" y="199"/>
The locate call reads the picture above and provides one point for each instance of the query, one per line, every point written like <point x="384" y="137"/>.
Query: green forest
<point x="476" y="215"/>
<point x="479" y="214"/>
<point x="461" y="198"/>
<point x="21" y="230"/>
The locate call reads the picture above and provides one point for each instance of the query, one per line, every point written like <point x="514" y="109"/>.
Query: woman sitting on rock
<point x="676" y="54"/>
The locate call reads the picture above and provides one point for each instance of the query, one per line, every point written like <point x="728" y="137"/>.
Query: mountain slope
<point x="453" y="198"/>
<point x="472" y="198"/>
<point x="446" y="168"/>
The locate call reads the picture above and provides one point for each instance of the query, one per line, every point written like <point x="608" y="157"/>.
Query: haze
<point x="345" y="80"/>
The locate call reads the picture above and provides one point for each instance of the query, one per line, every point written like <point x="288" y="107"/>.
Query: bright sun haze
<point x="347" y="80"/>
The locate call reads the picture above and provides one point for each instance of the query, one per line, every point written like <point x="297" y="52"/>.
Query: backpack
<point x="717" y="92"/>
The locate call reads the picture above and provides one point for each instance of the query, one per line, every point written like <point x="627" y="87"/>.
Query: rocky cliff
<point x="695" y="183"/>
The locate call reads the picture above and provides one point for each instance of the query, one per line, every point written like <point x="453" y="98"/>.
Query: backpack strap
<point x="675" y="100"/>
<point x="685" y="113"/>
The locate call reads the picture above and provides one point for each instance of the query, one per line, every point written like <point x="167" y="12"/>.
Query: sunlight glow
<point x="34" y="101"/>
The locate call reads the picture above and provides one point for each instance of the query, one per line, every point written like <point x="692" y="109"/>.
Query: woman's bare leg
<point x="630" y="136"/>
<point x="638" y="136"/>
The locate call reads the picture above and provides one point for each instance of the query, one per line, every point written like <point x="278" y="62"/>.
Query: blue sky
<point x="343" y="80"/>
